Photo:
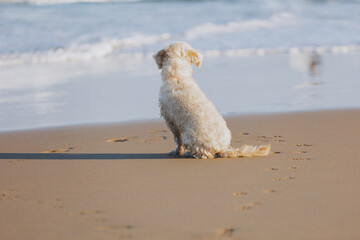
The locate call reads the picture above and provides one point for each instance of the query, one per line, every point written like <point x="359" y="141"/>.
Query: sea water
<point x="66" y="62"/>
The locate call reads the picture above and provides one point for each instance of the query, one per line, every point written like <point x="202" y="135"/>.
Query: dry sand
<point x="117" y="182"/>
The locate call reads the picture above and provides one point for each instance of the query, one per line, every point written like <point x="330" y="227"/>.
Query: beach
<point x="84" y="151"/>
<point x="116" y="181"/>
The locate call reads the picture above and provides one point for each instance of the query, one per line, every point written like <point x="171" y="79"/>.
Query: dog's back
<point x="196" y="117"/>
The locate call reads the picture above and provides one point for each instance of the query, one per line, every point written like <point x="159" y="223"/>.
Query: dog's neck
<point x="177" y="69"/>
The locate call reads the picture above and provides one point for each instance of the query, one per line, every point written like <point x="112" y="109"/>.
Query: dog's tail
<point x="247" y="151"/>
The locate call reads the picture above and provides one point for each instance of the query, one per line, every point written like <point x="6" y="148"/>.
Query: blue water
<point x="65" y="62"/>
<point x="55" y="31"/>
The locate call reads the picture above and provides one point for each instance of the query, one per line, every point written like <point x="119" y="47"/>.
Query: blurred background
<point x="65" y="62"/>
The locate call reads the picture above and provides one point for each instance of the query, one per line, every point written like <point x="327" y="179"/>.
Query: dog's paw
<point x="178" y="152"/>
<point x="174" y="153"/>
<point x="183" y="154"/>
<point x="186" y="155"/>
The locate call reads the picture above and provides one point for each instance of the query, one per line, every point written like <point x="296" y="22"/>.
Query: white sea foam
<point x="84" y="52"/>
<point x="108" y="49"/>
<point x="236" y="26"/>
<point x="141" y="46"/>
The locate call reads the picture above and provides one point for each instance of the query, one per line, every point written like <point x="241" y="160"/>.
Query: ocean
<point x="65" y="62"/>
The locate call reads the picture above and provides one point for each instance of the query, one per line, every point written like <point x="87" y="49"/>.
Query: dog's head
<point x="180" y="50"/>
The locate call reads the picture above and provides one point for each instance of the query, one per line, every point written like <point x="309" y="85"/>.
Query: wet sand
<point x="116" y="181"/>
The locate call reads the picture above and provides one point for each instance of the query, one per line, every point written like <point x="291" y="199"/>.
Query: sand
<point x="117" y="182"/>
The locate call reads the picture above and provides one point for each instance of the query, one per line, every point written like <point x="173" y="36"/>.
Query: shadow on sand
<point x="85" y="156"/>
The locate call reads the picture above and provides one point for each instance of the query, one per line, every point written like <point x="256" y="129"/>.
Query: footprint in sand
<point x="4" y="196"/>
<point x="254" y="203"/>
<point x="239" y="193"/>
<point x="283" y="179"/>
<point x="262" y="139"/>
<point x="10" y="195"/>
<point x="60" y="150"/>
<point x="271" y="138"/>
<point x="241" y="208"/>
<point x="242" y="134"/>
<point x="301" y="152"/>
<point x="120" y="140"/>
<point x="143" y="139"/>
<point x="303" y="145"/>
<point x="158" y="131"/>
<point x="88" y="213"/>
<point x="271" y="169"/>
<point x="269" y="191"/>
<point x="301" y="159"/>
<point x="153" y="139"/>
<point x="248" y="206"/>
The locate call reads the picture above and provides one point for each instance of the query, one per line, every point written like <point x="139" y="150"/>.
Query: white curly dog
<point x="199" y="130"/>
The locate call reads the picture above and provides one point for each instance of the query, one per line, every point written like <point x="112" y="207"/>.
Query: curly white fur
<point x="196" y="124"/>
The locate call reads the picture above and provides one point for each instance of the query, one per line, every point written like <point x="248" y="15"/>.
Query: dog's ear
<point x="195" y="57"/>
<point x="159" y="58"/>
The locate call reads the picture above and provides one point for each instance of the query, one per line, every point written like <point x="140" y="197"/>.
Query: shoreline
<point x="159" y="120"/>
<point x="117" y="182"/>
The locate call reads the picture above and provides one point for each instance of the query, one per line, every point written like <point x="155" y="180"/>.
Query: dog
<point x="198" y="128"/>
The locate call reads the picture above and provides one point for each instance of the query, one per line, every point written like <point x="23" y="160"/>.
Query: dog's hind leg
<point x="177" y="136"/>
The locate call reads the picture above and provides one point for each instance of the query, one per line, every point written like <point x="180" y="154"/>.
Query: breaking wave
<point x="83" y="52"/>
<point x="106" y="49"/>
<point x="237" y="26"/>
<point x="142" y="46"/>
<point x="130" y="46"/>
